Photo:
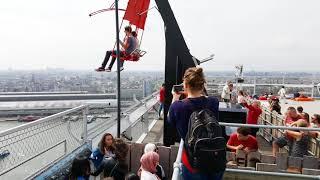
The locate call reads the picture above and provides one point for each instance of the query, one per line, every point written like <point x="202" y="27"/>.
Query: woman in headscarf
<point x="149" y="162"/>
<point x="150" y="147"/>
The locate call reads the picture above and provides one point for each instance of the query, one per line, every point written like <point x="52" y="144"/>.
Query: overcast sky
<point x="261" y="34"/>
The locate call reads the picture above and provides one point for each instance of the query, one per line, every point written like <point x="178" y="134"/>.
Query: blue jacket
<point x="97" y="157"/>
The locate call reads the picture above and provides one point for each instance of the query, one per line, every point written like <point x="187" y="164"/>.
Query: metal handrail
<point x="82" y="112"/>
<point x="42" y="120"/>
<point x="177" y="165"/>
<point x="21" y="134"/>
<point x="108" y="124"/>
<point x="268" y="126"/>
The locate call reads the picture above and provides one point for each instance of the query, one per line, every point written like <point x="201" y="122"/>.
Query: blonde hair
<point x="194" y="78"/>
<point x="301" y="123"/>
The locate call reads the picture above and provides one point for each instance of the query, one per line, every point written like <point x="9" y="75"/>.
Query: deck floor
<point x="156" y="133"/>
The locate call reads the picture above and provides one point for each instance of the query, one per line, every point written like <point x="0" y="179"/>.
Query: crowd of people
<point x="297" y="141"/>
<point x="108" y="160"/>
<point x="195" y="117"/>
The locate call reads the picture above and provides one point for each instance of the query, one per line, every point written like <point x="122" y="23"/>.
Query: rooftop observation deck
<point x="44" y="149"/>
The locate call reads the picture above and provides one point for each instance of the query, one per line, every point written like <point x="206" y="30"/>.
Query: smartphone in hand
<point x="178" y="88"/>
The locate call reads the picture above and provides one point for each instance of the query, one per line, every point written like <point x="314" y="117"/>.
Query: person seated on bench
<point x="80" y="169"/>
<point x="105" y="149"/>
<point x="160" y="172"/>
<point x="128" y="46"/>
<point x="149" y="162"/>
<point x="115" y="167"/>
<point x="242" y="140"/>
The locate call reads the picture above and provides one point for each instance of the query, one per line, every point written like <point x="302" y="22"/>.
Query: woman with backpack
<point x="196" y="105"/>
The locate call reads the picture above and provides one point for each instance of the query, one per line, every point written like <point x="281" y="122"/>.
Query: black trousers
<point x="226" y="100"/>
<point x="107" y="57"/>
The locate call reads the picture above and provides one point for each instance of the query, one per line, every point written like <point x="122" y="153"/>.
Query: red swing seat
<point x="134" y="56"/>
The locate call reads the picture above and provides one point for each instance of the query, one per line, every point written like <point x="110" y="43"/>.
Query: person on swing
<point x="128" y="46"/>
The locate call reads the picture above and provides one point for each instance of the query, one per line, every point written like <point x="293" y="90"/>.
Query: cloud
<point x="262" y="35"/>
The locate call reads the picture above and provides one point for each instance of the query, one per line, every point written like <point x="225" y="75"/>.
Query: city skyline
<point x="268" y="35"/>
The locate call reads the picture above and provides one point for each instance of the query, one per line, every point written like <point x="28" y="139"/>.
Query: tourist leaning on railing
<point x="180" y="112"/>
<point x="286" y="140"/>
<point x="299" y="141"/>
<point x="305" y="116"/>
<point x="291" y="116"/>
<point x="315" y="123"/>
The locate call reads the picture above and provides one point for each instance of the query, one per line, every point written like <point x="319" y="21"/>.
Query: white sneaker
<point x="108" y="70"/>
<point x="121" y="69"/>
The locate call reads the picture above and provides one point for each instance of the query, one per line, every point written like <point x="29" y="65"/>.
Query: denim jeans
<point x="187" y="175"/>
<point x="160" y="108"/>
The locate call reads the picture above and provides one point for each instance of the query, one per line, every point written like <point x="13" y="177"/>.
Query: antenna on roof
<point x="197" y="62"/>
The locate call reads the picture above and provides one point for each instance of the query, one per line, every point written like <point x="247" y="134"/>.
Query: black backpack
<point x="204" y="143"/>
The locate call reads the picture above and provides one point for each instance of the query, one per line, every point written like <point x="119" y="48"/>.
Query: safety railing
<point x="129" y="118"/>
<point x="33" y="146"/>
<point x="273" y="118"/>
<point x="177" y="168"/>
<point x="177" y="165"/>
<point x="142" y="121"/>
<point x="28" y="149"/>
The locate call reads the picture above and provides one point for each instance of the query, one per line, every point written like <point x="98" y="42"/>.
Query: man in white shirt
<point x="282" y="94"/>
<point x="226" y="92"/>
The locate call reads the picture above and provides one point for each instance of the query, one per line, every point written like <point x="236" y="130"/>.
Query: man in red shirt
<point x="291" y="116"/>
<point x="254" y="112"/>
<point x="242" y="140"/>
<point x="161" y="99"/>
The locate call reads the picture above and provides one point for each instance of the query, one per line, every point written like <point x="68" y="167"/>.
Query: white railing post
<point x="85" y="112"/>
<point x="177" y="165"/>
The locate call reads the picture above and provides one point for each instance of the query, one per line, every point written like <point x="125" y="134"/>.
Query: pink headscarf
<point x="149" y="161"/>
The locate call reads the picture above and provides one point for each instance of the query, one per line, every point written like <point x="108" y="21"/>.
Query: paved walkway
<point x="156" y="133"/>
<point x="264" y="146"/>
